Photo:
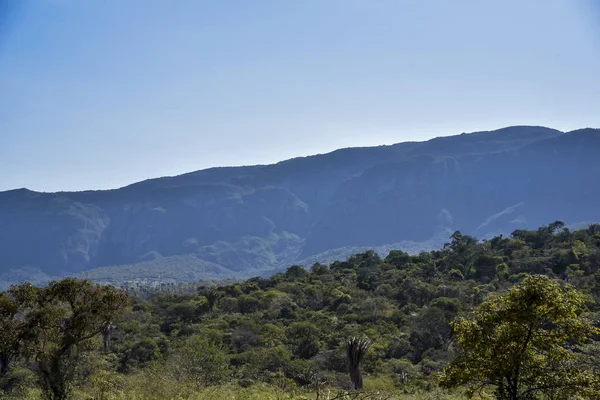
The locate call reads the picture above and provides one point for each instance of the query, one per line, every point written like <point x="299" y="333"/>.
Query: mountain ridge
<point x="263" y="217"/>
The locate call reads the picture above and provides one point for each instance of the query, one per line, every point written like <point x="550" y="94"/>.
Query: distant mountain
<point x="242" y="221"/>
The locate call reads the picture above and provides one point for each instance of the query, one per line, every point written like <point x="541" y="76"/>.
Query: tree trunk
<point x="53" y="380"/>
<point x="106" y="336"/>
<point x="107" y="331"/>
<point x="356" y="378"/>
<point x="4" y="361"/>
<point x="358" y="383"/>
<point x="59" y="393"/>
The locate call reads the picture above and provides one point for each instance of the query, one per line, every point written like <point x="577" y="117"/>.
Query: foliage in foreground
<point x="52" y="328"/>
<point x="523" y="344"/>
<point x="285" y="336"/>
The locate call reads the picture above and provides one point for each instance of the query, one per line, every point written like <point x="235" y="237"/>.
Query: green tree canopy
<point x="9" y="331"/>
<point x="62" y="320"/>
<point x="521" y="344"/>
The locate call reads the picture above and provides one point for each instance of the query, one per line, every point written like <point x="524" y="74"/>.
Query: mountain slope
<point x="232" y="222"/>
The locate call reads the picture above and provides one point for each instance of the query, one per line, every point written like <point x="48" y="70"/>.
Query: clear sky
<point x="102" y="93"/>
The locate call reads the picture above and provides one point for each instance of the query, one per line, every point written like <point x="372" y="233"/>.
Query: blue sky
<point x="101" y="93"/>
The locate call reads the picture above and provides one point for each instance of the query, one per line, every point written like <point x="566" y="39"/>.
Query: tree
<point x="356" y="348"/>
<point x="295" y="272"/>
<point x="212" y="297"/>
<point x="65" y="317"/>
<point x="430" y="329"/>
<point x="397" y="258"/>
<point x="15" y="304"/>
<point x="319" y="269"/>
<point x="304" y="339"/>
<point x="107" y="331"/>
<point x="460" y="253"/>
<point x="520" y="344"/>
<point x="142" y="353"/>
<point x="201" y="362"/>
<point x="248" y="304"/>
<point x="9" y="331"/>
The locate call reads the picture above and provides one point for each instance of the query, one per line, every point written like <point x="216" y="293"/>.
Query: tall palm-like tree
<point x="212" y="297"/>
<point x="356" y="348"/>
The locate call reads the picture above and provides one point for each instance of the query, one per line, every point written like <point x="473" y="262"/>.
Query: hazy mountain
<point x="236" y="222"/>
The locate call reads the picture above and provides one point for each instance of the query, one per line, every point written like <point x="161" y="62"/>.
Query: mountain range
<point x="237" y="222"/>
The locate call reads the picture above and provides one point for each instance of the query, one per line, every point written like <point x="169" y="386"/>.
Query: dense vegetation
<point x="288" y="335"/>
<point x="250" y="221"/>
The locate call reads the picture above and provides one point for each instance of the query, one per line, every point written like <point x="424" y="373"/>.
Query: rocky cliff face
<point x="226" y="222"/>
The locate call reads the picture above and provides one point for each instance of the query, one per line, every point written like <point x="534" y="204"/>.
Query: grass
<point x="156" y="384"/>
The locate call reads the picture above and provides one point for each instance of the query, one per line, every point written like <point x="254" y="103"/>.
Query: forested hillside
<point x="247" y="221"/>
<point x="287" y="336"/>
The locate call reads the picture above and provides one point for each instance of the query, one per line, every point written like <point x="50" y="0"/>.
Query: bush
<point x="332" y="360"/>
<point x="17" y="383"/>
<point x="142" y="353"/>
<point x="200" y="362"/>
<point x="304" y="338"/>
<point x="303" y="372"/>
